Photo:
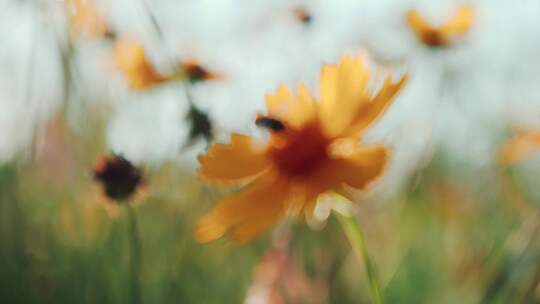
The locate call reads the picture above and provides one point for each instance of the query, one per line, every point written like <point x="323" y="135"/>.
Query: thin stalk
<point x="135" y="256"/>
<point x="153" y="19"/>
<point x="529" y="293"/>
<point x="352" y="230"/>
<point x="179" y="74"/>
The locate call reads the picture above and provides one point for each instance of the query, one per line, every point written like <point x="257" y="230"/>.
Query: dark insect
<point x="269" y="123"/>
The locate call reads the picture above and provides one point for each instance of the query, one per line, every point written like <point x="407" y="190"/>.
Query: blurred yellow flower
<point x="520" y="147"/>
<point x="444" y="34"/>
<point x="84" y="19"/>
<point x="131" y="59"/>
<point x="314" y="148"/>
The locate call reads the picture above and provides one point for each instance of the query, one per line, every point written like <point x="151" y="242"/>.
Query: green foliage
<point x="440" y="243"/>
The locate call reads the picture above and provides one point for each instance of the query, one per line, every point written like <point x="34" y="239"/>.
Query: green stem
<point x="356" y="239"/>
<point x="135" y="257"/>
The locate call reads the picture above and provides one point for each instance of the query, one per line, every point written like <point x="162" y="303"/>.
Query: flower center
<point x="433" y="38"/>
<point x="301" y="151"/>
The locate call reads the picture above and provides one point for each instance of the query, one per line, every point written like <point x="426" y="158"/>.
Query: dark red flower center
<point x="433" y="38"/>
<point x="300" y="152"/>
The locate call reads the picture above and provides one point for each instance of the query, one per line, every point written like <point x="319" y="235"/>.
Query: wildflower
<point x="119" y="178"/>
<point x="442" y="35"/>
<point x="84" y="19"/>
<point x="302" y="15"/>
<point x="313" y="149"/>
<point x="194" y="72"/>
<point x="520" y="147"/>
<point x="130" y="58"/>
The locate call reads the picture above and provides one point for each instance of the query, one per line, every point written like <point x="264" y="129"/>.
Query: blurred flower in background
<point x="131" y="60"/>
<point x="85" y="20"/>
<point x="442" y="35"/>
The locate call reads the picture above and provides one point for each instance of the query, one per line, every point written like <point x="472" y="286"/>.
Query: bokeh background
<point x="447" y="223"/>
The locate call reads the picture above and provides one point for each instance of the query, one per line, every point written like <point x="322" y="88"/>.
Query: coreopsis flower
<point x="520" y="147"/>
<point x="195" y="72"/>
<point x="442" y="35"/>
<point x="131" y="59"/>
<point x="120" y="179"/>
<point x="84" y="19"/>
<point x="313" y="148"/>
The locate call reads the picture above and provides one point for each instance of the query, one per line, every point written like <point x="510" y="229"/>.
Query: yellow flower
<point x="130" y="58"/>
<point x="313" y="149"/>
<point x="84" y="19"/>
<point x="520" y="147"/>
<point x="443" y="35"/>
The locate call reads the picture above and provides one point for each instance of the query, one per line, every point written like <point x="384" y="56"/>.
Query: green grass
<point x="445" y="240"/>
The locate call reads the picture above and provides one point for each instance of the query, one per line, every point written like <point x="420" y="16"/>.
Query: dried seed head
<point x="119" y="178"/>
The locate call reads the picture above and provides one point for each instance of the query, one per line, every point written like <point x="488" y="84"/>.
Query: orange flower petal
<point x="461" y="22"/>
<point x="247" y="214"/>
<point x="84" y="19"/>
<point x="355" y="166"/>
<point x="520" y="147"/>
<point x="278" y="103"/>
<point x="303" y="110"/>
<point x="293" y="109"/>
<point x="305" y="203"/>
<point x="130" y="58"/>
<point x="370" y="112"/>
<point x="430" y="35"/>
<point x="363" y="166"/>
<point x="343" y="92"/>
<point x="418" y="24"/>
<point x="346" y="108"/>
<point x="232" y="163"/>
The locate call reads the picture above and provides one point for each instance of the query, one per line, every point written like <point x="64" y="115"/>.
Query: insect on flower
<point x="119" y="178"/>
<point x="269" y="123"/>
<point x="314" y="148"/>
<point x="443" y="35"/>
<point x="131" y="59"/>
